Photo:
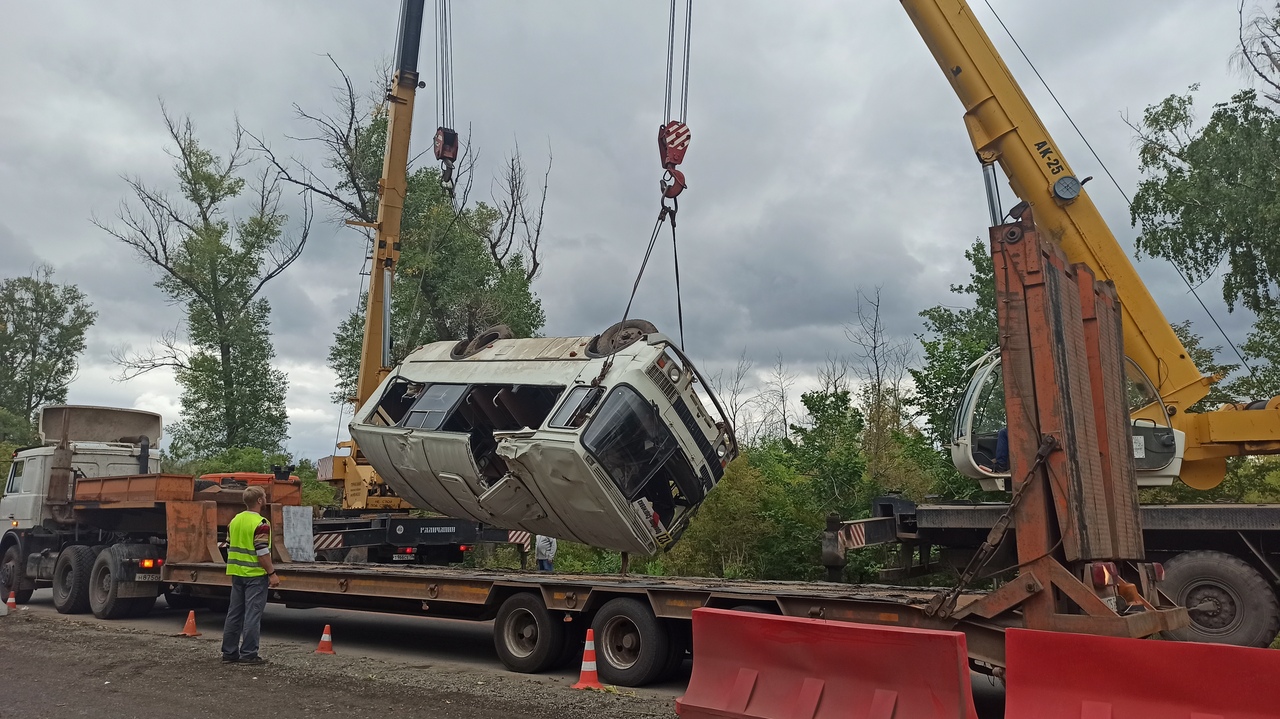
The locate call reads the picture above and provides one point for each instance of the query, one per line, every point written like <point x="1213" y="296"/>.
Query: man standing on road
<point x="545" y="552"/>
<point x="252" y="574"/>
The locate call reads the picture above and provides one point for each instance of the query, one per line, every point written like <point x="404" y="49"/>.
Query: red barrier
<point x="1052" y="675"/>
<point x="759" y="666"/>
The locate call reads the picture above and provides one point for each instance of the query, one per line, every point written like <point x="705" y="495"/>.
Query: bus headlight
<point x="674" y="373"/>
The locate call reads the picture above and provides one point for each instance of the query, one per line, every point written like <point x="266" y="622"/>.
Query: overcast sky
<point x="828" y="155"/>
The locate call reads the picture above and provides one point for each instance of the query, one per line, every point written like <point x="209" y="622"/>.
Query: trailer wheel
<point x="176" y="599"/>
<point x="681" y="641"/>
<point x="632" y="646"/>
<point x="1228" y="600"/>
<point x="527" y="638"/>
<point x="71" y="579"/>
<point x="104" y="589"/>
<point x="11" y="575"/>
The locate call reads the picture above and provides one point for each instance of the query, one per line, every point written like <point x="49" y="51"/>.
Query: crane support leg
<point x="1079" y="538"/>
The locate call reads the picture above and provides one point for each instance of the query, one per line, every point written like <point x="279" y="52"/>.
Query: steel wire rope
<point x="1103" y="165"/>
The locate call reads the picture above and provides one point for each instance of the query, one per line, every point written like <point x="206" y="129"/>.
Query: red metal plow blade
<point x="765" y="667"/>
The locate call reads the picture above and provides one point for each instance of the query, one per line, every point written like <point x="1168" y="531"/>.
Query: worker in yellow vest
<point x="252" y="574"/>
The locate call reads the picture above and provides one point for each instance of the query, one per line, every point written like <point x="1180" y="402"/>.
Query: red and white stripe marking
<point x="677" y="135"/>
<point x="853" y="536"/>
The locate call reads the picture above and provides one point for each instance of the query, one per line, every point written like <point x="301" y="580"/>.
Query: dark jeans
<point x="544" y="565"/>
<point x="244" y="617"/>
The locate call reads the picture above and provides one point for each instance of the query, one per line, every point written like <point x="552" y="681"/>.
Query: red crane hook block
<point x="446" y="144"/>
<point x="673" y="142"/>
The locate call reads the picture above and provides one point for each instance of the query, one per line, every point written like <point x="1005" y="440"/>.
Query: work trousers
<point x="244" y="617"/>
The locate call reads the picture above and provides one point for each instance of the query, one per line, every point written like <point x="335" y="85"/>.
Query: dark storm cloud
<point x="828" y="156"/>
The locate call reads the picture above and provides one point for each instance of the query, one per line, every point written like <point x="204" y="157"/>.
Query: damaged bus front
<point x="612" y="441"/>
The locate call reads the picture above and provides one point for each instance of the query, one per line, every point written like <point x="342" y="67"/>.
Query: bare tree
<point x="517" y="228"/>
<point x="774" y="400"/>
<point x="1259" y="50"/>
<point x="733" y="393"/>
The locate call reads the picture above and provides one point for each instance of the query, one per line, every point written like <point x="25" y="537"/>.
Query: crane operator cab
<point x="612" y="441"/>
<point x="979" y="451"/>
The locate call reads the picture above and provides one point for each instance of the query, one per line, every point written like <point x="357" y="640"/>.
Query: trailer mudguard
<point x="1053" y="675"/>
<point x="759" y="666"/>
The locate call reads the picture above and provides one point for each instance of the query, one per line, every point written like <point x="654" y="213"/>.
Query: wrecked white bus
<point x="612" y="441"/>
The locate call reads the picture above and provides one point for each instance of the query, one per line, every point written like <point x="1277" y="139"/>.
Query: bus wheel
<point x="619" y="336"/>
<point x="632" y="646"/>
<point x="1228" y="600"/>
<point x="466" y="348"/>
<point x="527" y="638"/>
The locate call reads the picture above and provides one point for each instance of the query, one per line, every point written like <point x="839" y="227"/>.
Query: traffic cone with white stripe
<point x="12" y="601"/>
<point x="588" y="678"/>
<point x="326" y="642"/>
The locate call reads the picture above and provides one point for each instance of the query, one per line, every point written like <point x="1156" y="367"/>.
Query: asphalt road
<point x="394" y="641"/>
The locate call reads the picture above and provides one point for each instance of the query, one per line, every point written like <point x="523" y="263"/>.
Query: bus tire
<point x="1229" y="601"/>
<point x="525" y="635"/>
<point x="619" y="336"/>
<point x="632" y="646"/>
<point x="71" y="579"/>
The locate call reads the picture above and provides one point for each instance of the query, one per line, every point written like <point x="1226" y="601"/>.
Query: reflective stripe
<point x="242" y="557"/>
<point x="264" y="551"/>
<point x="588" y="666"/>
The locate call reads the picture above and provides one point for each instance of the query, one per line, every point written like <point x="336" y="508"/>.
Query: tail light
<point x="464" y="547"/>
<point x="1104" y="574"/>
<point x="150" y="563"/>
<point x="406" y="550"/>
<point x="1158" y="570"/>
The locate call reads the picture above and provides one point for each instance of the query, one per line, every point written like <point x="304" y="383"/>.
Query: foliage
<point x="1211" y="195"/>
<point x="232" y="397"/>
<point x="1206" y="361"/>
<point x="42" y="329"/>
<point x="953" y="339"/>
<point x="462" y="269"/>
<point x="1262" y="350"/>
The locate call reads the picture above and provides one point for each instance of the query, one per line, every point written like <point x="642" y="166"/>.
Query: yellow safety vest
<point x="242" y="559"/>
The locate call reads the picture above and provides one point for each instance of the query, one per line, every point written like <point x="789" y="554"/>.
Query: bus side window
<point x="573" y="412"/>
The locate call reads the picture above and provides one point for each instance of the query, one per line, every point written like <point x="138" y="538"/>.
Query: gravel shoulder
<point x="54" y="669"/>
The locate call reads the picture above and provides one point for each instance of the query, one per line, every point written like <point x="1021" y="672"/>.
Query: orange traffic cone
<point x="326" y="642"/>
<point x="12" y="601"/>
<point x="190" y="629"/>
<point x="588" y="678"/>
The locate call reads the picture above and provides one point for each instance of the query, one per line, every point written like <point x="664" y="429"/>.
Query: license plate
<point x="147" y="577"/>
<point x="402" y="557"/>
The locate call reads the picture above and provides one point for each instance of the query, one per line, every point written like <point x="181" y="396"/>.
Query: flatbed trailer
<point x="642" y="623"/>
<point x="1221" y="561"/>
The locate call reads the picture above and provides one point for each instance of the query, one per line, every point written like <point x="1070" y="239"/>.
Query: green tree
<point x="463" y="267"/>
<point x="216" y="267"/>
<point x="42" y="329"/>
<point x="1262" y="350"/>
<point x="953" y="339"/>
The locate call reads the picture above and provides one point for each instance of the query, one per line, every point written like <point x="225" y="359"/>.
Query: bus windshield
<point x="629" y="440"/>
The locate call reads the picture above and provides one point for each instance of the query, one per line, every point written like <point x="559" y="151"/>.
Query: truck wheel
<point x="1228" y="600"/>
<point x="71" y="579"/>
<point x="11" y="575"/>
<point x="528" y="639"/>
<point x="681" y="641"/>
<point x="632" y="646"/>
<point x="104" y="597"/>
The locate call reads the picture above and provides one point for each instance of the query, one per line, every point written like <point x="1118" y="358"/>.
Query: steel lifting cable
<point x="673" y="142"/>
<point x="446" y="140"/>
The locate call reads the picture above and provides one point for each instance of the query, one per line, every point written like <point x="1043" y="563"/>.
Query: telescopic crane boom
<point x="361" y="488"/>
<point x="1006" y="131"/>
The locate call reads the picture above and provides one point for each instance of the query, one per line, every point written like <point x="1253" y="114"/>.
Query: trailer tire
<point x="681" y="641"/>
<point x="11" y="576"/>
<point x="527" y="638"/>
<point x="176" y="600"/>
<point x="632" y="646"/>
<point x="104" y="589"/>
<point x="1239" y="605"/>
<point x="71" y="579"/>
